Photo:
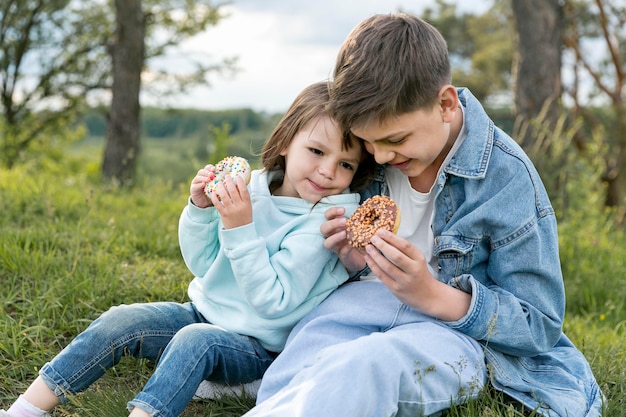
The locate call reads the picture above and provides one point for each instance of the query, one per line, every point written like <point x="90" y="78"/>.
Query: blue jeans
<point x="364" y="353"/>
<point x="187" y="348"/>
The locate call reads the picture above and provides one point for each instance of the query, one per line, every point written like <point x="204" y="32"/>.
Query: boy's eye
<point x="395" y="141"/>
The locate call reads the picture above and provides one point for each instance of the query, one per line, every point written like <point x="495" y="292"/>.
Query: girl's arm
<point x="277" y="283"/>
<point x="197" y="226"/>
<point x="197" y="237"/>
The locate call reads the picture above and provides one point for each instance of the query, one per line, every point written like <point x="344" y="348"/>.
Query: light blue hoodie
<point x="262" y="278"/>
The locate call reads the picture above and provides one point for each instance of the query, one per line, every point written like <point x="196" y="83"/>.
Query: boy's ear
<point x="448" y="102"/>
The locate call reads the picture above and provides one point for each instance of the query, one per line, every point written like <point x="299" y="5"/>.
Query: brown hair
<point x="311" y="103"/>
<point x="387" y="66"/>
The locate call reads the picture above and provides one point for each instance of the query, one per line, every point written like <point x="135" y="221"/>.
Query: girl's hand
<point x="334" y="229"/>
<point x="196" y="190"/>
<point x="402" y="267"/>
<point x="232" y="201"/>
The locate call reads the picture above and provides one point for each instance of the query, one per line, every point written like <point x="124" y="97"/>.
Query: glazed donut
<point x="231" y="165"/>
<point x="377" y="212"/>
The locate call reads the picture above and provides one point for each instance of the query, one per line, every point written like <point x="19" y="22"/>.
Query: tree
<point x="127" y="53"/>
<point x="177" y="20"/>
<point x="49" y="60"/>
<point x="480" y="46"/>
<point x="594" y="25"/>
<point x="56" y="55"/>
<point x="550" y="38"/>
<point x="537" y="70"/>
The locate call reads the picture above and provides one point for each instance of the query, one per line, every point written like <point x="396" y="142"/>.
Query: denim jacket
<point x="496" y="238"/>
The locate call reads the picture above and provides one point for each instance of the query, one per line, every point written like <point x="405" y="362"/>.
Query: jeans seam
<point x="111" y="351"/>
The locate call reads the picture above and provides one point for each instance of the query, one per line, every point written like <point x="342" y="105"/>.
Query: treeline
<point x="159" y="123"/>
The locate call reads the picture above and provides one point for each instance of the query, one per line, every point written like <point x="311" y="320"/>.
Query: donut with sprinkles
<point x="377" y="212"/>
<point x="235" y="166"/>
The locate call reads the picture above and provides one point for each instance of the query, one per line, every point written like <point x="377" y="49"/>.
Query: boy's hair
<point x="310" y="104"/>
<point x="387" y="66"/>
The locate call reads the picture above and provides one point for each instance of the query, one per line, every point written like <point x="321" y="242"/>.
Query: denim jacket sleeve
<point x="516" y="309"/>
<point x="496" y="238"/>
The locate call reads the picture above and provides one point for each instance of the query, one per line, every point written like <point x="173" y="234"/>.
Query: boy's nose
<point x="383" y="156"/>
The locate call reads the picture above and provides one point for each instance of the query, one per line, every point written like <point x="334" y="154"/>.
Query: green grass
<point x="71" y="247"/>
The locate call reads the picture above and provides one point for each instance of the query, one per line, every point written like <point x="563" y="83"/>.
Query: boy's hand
<point x="400" y="265"/>
<point x="196" y="190"/>
<point x="403" y="268"/>
<point x="334" y="229"/>
<point x="232" y="201"/>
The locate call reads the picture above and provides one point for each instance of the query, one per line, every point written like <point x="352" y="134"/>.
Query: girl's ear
<point x="448" y="102"/>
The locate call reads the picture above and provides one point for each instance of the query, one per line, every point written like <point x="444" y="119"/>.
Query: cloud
<point x="282" y="46"/>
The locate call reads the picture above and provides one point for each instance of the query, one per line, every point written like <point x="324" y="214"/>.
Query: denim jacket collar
<point x="472" y="158"/>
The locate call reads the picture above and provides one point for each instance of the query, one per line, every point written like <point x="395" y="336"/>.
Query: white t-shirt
<point x="416" y="209"/>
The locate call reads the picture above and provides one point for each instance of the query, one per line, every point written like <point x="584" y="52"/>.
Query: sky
<point x="282" y="46"/>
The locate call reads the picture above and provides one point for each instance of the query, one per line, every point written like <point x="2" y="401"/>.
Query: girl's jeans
<point x="364" y="353"/>
<point x="188" y="350"/>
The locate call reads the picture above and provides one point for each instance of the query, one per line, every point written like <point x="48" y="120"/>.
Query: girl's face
<point x="316" y="166"/>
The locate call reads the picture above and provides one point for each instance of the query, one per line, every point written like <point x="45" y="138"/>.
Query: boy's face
<point x="316" y="164"/>
<point x="415" y="142"/>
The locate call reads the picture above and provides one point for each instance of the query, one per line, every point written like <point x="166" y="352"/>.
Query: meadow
<point x="71" y="247"/>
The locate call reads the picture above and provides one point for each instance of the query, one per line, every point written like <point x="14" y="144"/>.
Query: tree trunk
<point x="123" y="123"/>
<point x="537" y="72"/>
<point x="614" y="177"/>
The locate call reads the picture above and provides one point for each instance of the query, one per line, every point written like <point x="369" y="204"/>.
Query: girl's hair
<point x="310" y="104"/>
<point x="387" y="66"/>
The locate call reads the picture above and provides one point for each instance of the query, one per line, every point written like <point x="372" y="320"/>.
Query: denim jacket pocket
<point x="454" y="256"/>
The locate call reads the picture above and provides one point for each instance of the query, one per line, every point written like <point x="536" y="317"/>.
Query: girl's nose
<point x="327" y="171"/>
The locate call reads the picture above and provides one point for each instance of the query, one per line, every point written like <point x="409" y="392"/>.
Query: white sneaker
<point x="213" y="390"/>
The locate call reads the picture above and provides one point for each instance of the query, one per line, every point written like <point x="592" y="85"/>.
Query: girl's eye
<point x="347" y="166"/>
<point x="316" y="151"/>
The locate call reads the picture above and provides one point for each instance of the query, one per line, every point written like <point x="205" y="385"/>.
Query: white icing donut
<point x="234" y="166"/>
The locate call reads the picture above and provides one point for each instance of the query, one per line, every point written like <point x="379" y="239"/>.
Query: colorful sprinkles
<point x="233" y="165"/>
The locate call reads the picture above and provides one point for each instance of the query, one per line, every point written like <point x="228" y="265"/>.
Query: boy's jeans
<point x="187" y="348"/>
<point x="364" y="353"/>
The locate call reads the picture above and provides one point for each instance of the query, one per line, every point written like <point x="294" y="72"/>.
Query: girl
<point x="259" y="262"/>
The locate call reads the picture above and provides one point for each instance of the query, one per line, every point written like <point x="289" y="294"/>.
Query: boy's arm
<point x="521" y="312"/>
